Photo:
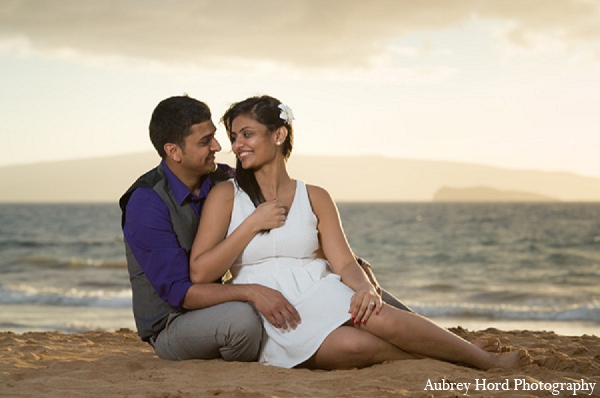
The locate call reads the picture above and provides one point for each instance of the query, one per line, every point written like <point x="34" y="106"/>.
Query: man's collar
<point x="180" y="191"/>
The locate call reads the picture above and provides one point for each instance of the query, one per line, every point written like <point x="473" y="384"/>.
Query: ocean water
<point x="508" y="266"/>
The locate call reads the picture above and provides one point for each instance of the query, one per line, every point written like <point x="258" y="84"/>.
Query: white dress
<point x="285" y="259"/>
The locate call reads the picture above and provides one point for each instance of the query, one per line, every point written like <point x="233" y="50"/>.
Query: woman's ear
<point x="173" y="152"/>
<point x="281" y="134"/>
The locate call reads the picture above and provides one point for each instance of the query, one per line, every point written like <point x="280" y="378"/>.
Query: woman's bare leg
<point x="350" y="347"/>
<point x="420" y="336"/>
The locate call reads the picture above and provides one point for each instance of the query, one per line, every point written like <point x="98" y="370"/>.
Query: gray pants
<point x="232" y="331"/>
<point x="388" y="298"/>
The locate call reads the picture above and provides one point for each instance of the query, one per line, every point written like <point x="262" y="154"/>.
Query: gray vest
<point x="149" y="310"/>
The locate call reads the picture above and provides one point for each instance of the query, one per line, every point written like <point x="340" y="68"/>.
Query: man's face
<point x="198" y="155"/>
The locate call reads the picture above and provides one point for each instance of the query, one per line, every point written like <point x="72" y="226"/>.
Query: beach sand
<point x="117" y="364"/>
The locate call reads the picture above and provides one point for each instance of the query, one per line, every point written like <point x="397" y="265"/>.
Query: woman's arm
<point x="212" y="252"/>
<point x="338" y="253"/>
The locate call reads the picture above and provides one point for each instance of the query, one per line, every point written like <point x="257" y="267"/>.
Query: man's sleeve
<point x="152" y="239"/>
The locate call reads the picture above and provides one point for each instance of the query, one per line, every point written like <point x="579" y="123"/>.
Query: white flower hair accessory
<point x="286" y="113"/>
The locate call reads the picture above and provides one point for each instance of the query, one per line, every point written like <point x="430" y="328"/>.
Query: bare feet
<point x="490" y="344"/>
<point x="513" y="359"/>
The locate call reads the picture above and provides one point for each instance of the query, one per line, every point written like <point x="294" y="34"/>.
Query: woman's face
<point x="251" y="142"/>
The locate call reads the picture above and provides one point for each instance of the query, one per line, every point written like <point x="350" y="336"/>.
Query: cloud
<point x="301" y="33"/>
<point x="549" y="28"/>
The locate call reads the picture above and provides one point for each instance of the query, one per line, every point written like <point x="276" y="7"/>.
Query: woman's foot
<point x="512" y="360"/>
<point x="490" y="344"/>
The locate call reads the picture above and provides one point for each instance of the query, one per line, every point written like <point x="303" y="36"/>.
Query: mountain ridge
<point x="347" y="178"/>
<point x="486" y="194"/>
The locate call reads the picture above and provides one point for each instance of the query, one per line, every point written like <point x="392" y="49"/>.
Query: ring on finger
<point x="372" y="303"/>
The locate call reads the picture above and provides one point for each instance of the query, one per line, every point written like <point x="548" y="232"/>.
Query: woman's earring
<point x="278" y="143"/>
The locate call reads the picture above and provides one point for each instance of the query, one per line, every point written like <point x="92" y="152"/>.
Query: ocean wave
<point x="36" y="242"/>
<point x="71" y="262"/>
<point x="589" y="312"/>
<point x="545" y="296"/>
<point x="25" y="294"/>
<point x="567" y="259"/>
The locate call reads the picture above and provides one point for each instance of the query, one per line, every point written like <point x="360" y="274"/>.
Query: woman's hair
<point x="265" y="110"/>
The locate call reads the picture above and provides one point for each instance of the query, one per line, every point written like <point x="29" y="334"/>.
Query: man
<point x="160" y="215"/>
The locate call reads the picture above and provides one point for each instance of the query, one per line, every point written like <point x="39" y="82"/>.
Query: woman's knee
<point x="389" y="323"/>
<point x="355" y="343"/>
<point x="349" y="347"/>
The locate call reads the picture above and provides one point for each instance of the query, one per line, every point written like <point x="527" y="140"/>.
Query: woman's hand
<point x="268" y="215"/>
<point x="364" y="302"/>
<point x="273" y="306"/>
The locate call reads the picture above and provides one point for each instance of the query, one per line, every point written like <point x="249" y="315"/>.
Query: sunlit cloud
<point x="548" y="28"/>
<point x="392" y="75"/>
<point x="303" y="33"/>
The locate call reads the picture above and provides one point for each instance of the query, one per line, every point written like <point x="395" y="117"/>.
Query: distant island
<point x="487" y="194"/>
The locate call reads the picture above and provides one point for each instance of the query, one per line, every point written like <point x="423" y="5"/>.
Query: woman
<point x="270" y="229"/>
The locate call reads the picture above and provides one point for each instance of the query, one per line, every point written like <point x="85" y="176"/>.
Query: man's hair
<point x="172" y="119"/>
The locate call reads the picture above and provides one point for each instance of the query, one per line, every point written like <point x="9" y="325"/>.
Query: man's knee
<point x="244" y="319"/>
<point x="242" y="333"/>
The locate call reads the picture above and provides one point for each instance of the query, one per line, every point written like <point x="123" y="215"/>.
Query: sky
<point x="509" y="83"/>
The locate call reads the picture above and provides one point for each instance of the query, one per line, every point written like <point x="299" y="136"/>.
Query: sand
<point x="103" y="364"/>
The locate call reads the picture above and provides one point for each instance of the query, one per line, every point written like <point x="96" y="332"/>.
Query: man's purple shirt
<point x="152" y="239"/>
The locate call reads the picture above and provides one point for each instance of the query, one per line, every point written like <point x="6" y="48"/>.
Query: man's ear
<point x="173" y="152"/>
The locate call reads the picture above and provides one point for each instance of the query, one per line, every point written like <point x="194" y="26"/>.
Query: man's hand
<point x="273" y="306"/>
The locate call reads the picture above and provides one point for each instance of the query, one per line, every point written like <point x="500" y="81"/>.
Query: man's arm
<point x="149" y="232"/>
<point x="271" y="303"/>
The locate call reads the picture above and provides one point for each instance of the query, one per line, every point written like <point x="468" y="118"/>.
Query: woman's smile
<point x="244" y="154"/>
